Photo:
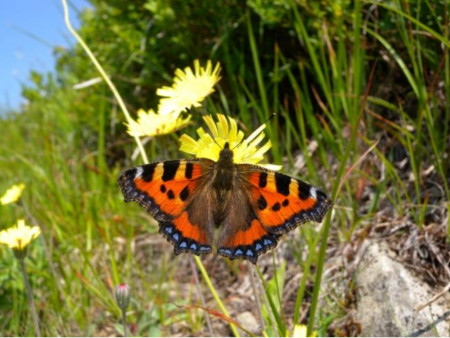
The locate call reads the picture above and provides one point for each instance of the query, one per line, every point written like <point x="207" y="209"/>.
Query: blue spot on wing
<point x="226" y="252"/>
<point x="182" y="243"/>
<point x="252" y="251"/>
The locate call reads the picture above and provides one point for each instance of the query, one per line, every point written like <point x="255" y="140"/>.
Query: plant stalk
<point x="200" y="295"/>
<point x="252" y="271"/>
<point x="30" y="297"/>
<point x="124" y="323"/>
<point x="214" y="293"/>
<point x="104" y="76"/>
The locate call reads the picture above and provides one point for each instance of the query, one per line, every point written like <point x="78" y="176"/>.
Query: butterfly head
<point x="226" y="156"/>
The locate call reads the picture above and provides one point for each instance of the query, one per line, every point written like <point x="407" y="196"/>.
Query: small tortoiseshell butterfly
<point x="253" y="206"/>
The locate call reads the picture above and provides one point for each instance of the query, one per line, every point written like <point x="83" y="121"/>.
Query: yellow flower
<point x="18" y="237"/>
<point x="300" y="331"/>
<point x="189" y="88"/>
<point x="223" y="131"/>
<point x="152" y="124"/>
<point x="12" y="194"/>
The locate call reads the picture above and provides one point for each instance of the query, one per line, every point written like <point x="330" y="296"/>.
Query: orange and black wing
<point x="281" y="202"/>
<point x="243" y="235"/>
<point x="265" y="205"/>
<point x="249" y="242"/>
<point x="168" y="191"/>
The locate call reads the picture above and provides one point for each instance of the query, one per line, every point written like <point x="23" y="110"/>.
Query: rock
<point x="388" y="294"/>
<point x="248" y="322"/>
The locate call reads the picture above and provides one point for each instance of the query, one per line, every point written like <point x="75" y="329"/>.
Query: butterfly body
<point x="251" y="207"/>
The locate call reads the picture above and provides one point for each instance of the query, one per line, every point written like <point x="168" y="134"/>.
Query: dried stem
<point x="435" y="297"/>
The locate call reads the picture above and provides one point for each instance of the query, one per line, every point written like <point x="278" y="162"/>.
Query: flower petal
<point x="225" y="130"/>
<point x="18" y="237"/>
<point x="189" y="88"/>
<point x="152" y="124"/>
<point x="12" y="194"/>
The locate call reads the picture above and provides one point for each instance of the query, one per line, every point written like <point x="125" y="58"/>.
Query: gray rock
<point x="248" y="322"/>
<point x="388" y="295"/>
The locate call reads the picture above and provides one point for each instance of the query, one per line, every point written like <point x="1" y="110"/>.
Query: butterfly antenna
<point x="237" y="145"/>
<point x="270" y="117"/>
<point x="216" y="142"/>
<point x="189" y="111"/>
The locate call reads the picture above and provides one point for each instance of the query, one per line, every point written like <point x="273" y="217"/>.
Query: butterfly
<point x="241" y="209"/>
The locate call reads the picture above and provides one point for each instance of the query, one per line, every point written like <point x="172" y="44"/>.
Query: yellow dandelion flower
<point x="224" y="131"/>
<point x="18" y="237"/>
<point x="12" y="194"/>
<point x="300" y="331"/>
<point x="189" y="88"/>
<point x="153" y="124"/>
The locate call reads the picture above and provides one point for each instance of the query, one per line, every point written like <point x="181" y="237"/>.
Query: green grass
<point x="69" y="147"/>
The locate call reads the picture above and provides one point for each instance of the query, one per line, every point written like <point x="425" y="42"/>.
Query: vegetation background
<point x="343" y="77"/>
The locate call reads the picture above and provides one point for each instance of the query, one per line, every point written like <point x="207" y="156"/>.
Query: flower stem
<point x="124" y="323"/>
<point x="214" y="293"/>
<point x="104" y="76"/>
<point x="30" y="298"/>
<point x="200" y="295"/>
<point x="252" y="272"/>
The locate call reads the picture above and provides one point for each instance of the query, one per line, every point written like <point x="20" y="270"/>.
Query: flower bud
<point x="122" y="294"/>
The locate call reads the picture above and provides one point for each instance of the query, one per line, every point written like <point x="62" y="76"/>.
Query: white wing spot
<point x="313" y="192"/>
<point x="139" y="171"/>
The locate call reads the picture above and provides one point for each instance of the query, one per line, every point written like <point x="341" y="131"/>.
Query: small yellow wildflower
<point x="189" y="88"/>
<point x="223" y="131"/>
<point x="18" y="237"/>
<point x="152" y="124"/>
<point x="12" y="194"/>
<point x="300" y="331"/>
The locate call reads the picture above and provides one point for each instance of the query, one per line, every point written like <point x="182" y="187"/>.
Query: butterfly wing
<point x="265" y="205"/>
<point x="243" y="235"/>
<point x="281" y="202"/>
<point x="171" y="192"/>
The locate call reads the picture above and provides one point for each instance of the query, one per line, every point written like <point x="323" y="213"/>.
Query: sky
<point x="29" y="30"/>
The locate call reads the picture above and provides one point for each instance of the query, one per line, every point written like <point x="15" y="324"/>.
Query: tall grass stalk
<point x="105" y="77"/>
<point x="274" y="312"/>
<point x="252" y="271"/>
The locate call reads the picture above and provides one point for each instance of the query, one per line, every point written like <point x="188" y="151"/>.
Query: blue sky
<point x="29" y="29"/>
